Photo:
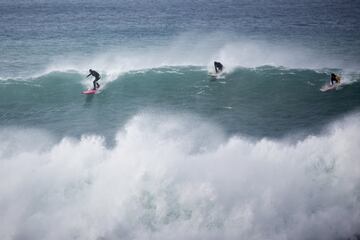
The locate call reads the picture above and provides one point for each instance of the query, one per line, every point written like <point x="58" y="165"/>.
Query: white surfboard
<point x="216" y="75"/>
<point x="328" y="87"/>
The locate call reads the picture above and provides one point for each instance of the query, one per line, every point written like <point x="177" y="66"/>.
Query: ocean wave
<point x="76" y="74"/>
<point x="263" y="101"/>
<point x="189" y="49"/>
<point x="166" y="179"/>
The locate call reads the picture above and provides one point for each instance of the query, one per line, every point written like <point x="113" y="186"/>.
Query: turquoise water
<point x="260" y="102"/>
<point x="165" y="150"/>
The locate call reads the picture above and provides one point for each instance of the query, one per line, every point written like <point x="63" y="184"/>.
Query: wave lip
<point x="189" y="49"/>
<point x="165" y="178"/>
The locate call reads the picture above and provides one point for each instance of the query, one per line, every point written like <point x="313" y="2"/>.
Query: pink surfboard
<point x="90" y="91"/>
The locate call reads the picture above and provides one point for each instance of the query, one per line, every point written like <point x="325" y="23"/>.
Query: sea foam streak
<point x="168" y="179"/>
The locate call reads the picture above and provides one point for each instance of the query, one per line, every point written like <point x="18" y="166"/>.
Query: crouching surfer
<point x="218" y="67"/>
<point x="334" y="79"/>
<point x="97" y="78"/>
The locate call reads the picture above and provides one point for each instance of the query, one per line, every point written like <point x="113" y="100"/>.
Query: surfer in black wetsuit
<point x="97" y="78"/>
<point x="334" y="78"/>
<point x="218" y="67"/>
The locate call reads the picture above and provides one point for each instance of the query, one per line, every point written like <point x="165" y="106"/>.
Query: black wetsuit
<point x="334" y="79"/>
<point x="97" y="78"/>
<point x="218" y="67"/>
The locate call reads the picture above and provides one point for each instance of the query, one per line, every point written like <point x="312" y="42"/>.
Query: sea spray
<point x="163" y="180"/>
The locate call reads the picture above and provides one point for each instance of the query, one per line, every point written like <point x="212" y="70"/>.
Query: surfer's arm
<point x="88" y="75"/>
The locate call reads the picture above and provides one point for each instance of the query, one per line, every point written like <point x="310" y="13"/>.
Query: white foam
<point x="178" y="177"/>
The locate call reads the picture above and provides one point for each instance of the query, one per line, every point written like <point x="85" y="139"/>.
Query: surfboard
<point x="328" y="87"/>
<point x="90" y="91"/>
<point x="215" y="75"/>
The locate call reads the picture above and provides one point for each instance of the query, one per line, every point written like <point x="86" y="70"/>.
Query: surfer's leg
<point x="94" y="82"/>
<point x="215" y="66"/>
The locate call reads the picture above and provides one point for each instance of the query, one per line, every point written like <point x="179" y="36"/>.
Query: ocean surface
<point x="165" y="150"/>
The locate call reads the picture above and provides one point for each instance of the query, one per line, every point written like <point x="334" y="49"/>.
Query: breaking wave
<point x="168" y="178"/>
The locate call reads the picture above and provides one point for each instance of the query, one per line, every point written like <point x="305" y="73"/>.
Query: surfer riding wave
<point x="218" y="67"/>
<point x="97" y="78"/>
<point x="334" y="79"/>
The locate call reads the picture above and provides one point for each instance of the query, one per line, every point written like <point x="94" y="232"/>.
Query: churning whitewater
<point x="168" y="179"/>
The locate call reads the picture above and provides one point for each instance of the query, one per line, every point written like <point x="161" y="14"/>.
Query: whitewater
<point x="168" y="179"/>
<point x="164" y="150"/>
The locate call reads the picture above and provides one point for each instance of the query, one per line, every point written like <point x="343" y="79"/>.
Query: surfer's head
<point x="90" y="70"/>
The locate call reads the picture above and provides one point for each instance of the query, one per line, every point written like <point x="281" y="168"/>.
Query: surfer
<point x="334" y="79"/>
<point x="97" y="78"/>
<point x="218" y="67"/>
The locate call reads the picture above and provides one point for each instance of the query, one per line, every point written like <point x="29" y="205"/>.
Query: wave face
<point x="168" y="178"/>
<point x="260" y="102"/>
